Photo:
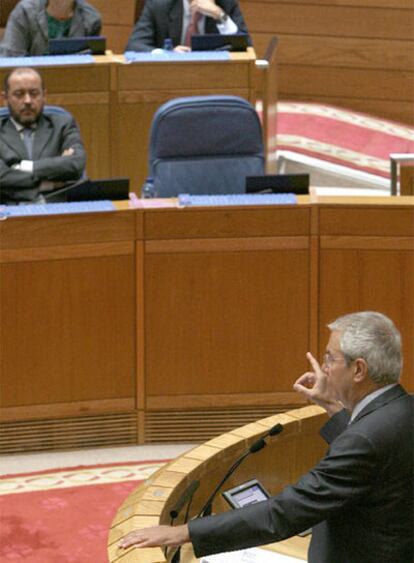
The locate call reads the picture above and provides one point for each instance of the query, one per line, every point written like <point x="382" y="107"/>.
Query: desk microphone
<point x="255" y="447"/>
<point x="206" y="510"/>
<point x="183" y="499"/>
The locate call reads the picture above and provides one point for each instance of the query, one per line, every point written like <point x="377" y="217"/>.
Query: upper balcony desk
<point x="114" y="102"/>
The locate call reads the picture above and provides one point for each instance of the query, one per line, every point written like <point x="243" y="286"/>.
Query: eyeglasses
<point x="329" y="360"/>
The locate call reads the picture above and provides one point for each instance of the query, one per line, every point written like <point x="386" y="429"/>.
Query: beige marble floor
<point x="22" y="463"/>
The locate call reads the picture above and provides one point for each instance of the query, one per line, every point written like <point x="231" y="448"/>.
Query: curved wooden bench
<point x="286" y="457"/>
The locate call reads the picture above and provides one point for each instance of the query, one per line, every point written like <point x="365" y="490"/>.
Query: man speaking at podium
<point x="359" y="497"/>
<point x="178" y="20"/>
<point x="37" y="151"/>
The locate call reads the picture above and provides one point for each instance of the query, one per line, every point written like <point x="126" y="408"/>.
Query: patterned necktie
<point x="28" y="141"/>
<point x="192" y="28"/>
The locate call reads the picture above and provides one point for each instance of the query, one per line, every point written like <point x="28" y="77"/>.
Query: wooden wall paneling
<point x="347" y="83"/>
<point x="118" y="20"/>
<point x="353" y="54"/>
<point x="320" y="20"/>
<point x="347" y="52"/>
<point x="407" y="180"/>
<point x="360" y="272"/>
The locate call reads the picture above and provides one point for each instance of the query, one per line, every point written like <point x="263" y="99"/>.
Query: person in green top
<point x="33" y="22"/>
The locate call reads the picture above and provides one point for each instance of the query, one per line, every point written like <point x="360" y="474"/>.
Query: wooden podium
<point x="287" y="457"/>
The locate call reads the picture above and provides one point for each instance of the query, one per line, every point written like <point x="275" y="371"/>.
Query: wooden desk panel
<point x="221" y="286"/>
<point x="190" y="320"/>
<point x="67" y="297"/>
<point x="220" y="322"/>
<point x="367" y="263"/>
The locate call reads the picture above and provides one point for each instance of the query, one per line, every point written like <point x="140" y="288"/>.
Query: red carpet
<point x="64" y="516"/>
<point x="341" y="136"/>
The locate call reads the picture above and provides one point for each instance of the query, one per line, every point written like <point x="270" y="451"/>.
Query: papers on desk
<point x="254" y="555"/>
<point x="161" y="56"/>
<point x="55" y="60"/>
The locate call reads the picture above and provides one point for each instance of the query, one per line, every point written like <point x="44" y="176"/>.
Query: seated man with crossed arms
<point x="179" y="19"/>
<point x="38" y="151"/>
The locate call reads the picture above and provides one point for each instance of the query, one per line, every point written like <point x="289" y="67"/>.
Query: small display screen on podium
<point x="250" y="492"/>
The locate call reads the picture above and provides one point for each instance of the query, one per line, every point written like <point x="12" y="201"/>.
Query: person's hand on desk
<point x="182" y="49"/>
<point x="156" y="536"/>
<point x="314" y="386"/>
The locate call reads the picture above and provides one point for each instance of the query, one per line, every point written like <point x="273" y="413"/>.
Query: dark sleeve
<point x="93" y="23"/>
<point x="142" y="37"/>
<point x="16" y="185"/>
<point x="16" y="41"/>
<point x="232" y="9"/>
<point x="340" y="478"/>
<point x="63" y="168"/>
<point x="335" y="425"/>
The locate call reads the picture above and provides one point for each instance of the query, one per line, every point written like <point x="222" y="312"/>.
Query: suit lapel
<point x="380" y="401"/>
<point x="42" y="136"/>
<point x="175" y="22"/>
<point x="11" y="137"/>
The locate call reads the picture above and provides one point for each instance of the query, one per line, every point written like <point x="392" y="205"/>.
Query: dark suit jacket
<point x="163" y="19"/>
<point x="359" y="497"/>
<point x="54" y="134"/>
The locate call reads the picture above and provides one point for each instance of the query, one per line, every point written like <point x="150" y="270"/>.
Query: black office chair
<point x="205" y="145"/>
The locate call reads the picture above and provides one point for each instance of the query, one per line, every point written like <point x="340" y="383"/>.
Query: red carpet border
<point x="340" y="136"/>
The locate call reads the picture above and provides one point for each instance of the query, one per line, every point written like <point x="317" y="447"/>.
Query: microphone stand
<point x="208" y="505"/>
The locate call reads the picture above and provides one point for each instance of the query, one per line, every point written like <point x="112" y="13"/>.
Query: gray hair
<point x="373" y="337"/>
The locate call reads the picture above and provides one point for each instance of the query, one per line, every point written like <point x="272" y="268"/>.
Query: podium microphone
<point x="183" y="499"/>
<point x="255" y="447"/>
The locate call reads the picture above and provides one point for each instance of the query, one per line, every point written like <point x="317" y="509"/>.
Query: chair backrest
<point x="205" y="145"/>
<point x="48" y="110"/>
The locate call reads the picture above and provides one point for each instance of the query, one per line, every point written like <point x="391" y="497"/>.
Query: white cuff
<point x="46" y="186"/>
<point x="228" y="27"/>
<point x="26" y="166"/>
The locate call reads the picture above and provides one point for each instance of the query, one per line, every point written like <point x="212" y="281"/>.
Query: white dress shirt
<point x="368" y="398"/>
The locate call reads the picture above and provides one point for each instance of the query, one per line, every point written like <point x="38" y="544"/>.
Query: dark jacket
<point x="54" y="134"/>
<point x="358" y="498"/>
